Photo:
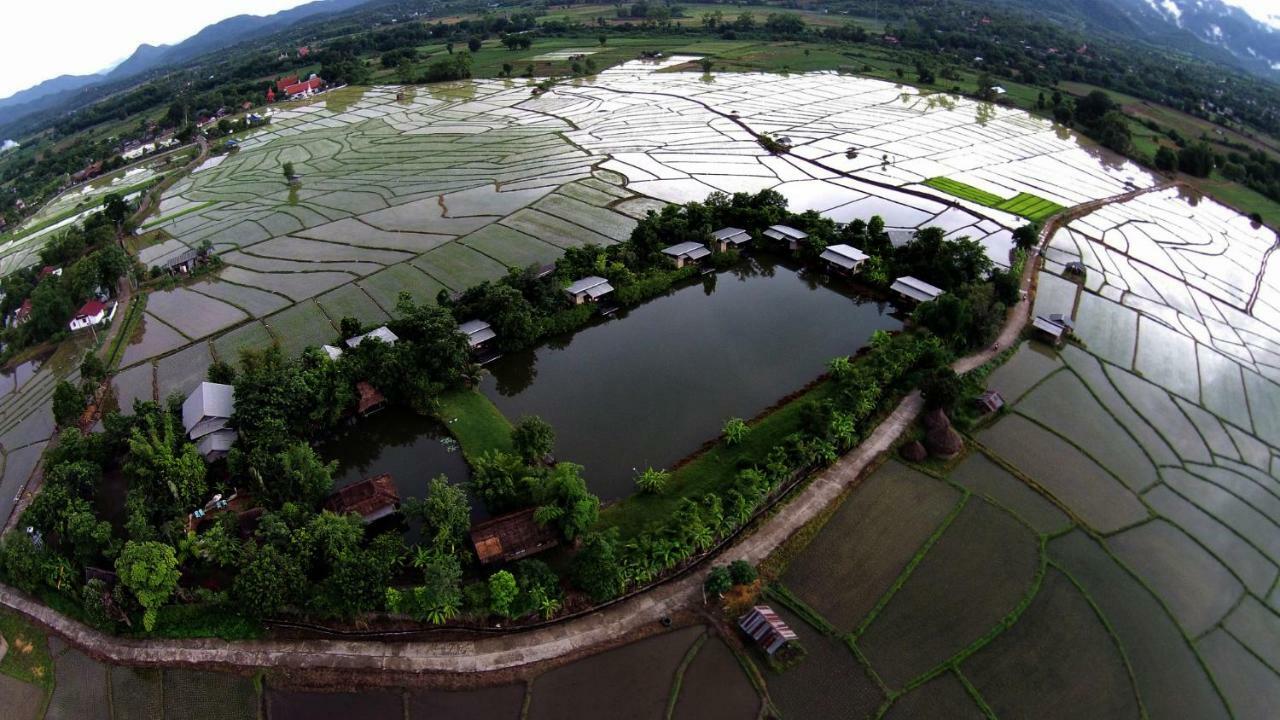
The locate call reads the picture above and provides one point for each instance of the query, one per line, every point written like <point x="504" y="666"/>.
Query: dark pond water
<point x="647" y="387"/>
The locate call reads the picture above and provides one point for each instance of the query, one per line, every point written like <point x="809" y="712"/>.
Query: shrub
<point x="719" y="581"/>
<point x="742" y="572"/>
<point x="652" y="481"/>
<point x="735" y="431"/>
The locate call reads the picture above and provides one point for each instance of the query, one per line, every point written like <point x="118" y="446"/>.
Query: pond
<point x="648" y="390"/>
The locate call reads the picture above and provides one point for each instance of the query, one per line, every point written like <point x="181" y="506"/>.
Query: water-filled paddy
<point x="648" y="387"/>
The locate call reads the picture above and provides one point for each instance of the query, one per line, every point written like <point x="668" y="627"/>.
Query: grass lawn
<point x="28" y="657"/>
<point x="474" y="422"/>
<point x="712" y="470"/>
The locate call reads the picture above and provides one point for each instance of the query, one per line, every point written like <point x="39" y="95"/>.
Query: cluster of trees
<point x="90" y="260"/>
<point x="606" y="566"/>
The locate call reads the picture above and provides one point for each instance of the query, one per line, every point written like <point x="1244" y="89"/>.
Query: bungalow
<point x="687" y="252"/>
<point x="92" y="313"/>
<point x="725" y="238"/>
<point x="382" y="334"/>
<point x="769" y="631"/>
<point x="914" y="290"/>
<point x="182" y="263"/>
<point x="588" y="289"/>
<point x="371" y="401"/>
<point x="789" y="235"/>
<point x="372" y="499"/>
<point x="478" y="333"/>
<point x="206" y="414"/>
<point x="511" y="537"/>
<point x="843" y="258"/>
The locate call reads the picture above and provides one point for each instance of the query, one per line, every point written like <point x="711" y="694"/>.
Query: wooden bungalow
<point x="1046" y="330"/>
<point x="511" y="537"/>
<point x="372" y="499"/>
<point x="728" y="238"/>
<point x="843" y="259"/>
<point x="687" y="252"/>
<point x="589" y="289"/>
<point x="371" y="401"/>
<point x="914" y="290"/>
<point x="769" y="631"/>
<point x="786" y="234"/>
<point x="478" y="332"/>
<point x="989" y="402"/>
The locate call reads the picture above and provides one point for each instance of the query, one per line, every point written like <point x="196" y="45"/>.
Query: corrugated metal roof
<point x="209" y="401"/>
<point x="686" y="249"/>
<point x="785" y="232"/>
<point x="383" y="334"/>
<point x="915" y="288"/>
<point x="731" y="234"/>
<point x="585" y="284"/>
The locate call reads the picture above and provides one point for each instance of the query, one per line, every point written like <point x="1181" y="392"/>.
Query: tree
<point x="449" y="46"/>
<point x="718" y="581"/>
<point x="1197" y="159"/>
<point x="445" y="513"/>
<point x="474" y="44"/>
<point x="268" y="581"/>
<point x="502" y="592"/>
<point x="652" y="481"/>
<point x="115" y="209"/>
<point x="735" y="431"/>
<point x="301" y="476"/>
<point x="1112" y="130"/>
<point x="221" y="372"/>
<point x="150" y="571"/>
<point x="706" y="63"/>
<point x="1091" y="108"/>
<point x="498" y="479"/>
<point x="163" y="463"/>
<point x="1166" y="159"/>
<point x="603" y="39"/>
<point x="533" y="438"/>
<point x="68" y="404"/>
<point x="1027" y="236"/>
<point x="439" y="598"/>
<point x="563" y="499"/>
<point x="742" y="572"/>
<point x="942" y="389"/>
<point x="596" y="570"/>
<point x="287" y="169"/>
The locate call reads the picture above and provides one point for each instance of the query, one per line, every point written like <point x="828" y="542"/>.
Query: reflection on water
<point x="648" y="390"/>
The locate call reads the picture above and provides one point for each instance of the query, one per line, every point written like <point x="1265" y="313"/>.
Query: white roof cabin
<point x="332" y="351"/>
<point x="478" y="332"/>
<point x="216" y="444"/>
<point x="383" y="334"/>
<point x="914" y="289"/>
<point x="589" y="288"/>
<point x="208" y="409"/>
<point x="731" y="236"/>
<point x="687" y="251"/>
<point x="785" y="233"/>
<point x="844" y="257"/>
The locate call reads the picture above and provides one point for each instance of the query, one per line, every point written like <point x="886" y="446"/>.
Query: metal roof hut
<point x="843" y="258"/>
<point x="478" y="333"/>
<point x="914" y="290"/>
<point x="687" y="252"/>
<point x="764" y="626"/>
<point x="383" y="334"/>
<point x="206" y="414"/>
<point x="372" y="498"/>
<point x="729" y="237"/>
<point x="786" y="234"/>
<point x="1048" y="331"/>
<point x="511" y="537"/>
<point x="589" y="289"/>
<point x="989" y="402"/>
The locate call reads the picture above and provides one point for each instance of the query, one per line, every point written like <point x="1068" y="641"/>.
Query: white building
<point x="843" y="258"/>
<point x="94" y="312"/>
<point x="206" y="415"/>
<point x="588" y="289"/>
<point x="383" y="334"/>
<point x="687" y="252"/>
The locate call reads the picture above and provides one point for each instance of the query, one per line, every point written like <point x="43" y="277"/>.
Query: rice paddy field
<point x="1126" y="557"/>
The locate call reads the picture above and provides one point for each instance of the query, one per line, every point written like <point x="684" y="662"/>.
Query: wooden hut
<point x="372" y="498"/>
<point x="511" y="537"/>
<point x="769" y="631"/>
<point x="371" y="401"/>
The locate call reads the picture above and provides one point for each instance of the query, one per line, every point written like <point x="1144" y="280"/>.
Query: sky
<point x="42" y="39"/>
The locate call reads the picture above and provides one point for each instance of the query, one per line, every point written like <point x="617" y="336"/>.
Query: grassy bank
<point x="715" y="469"/>
<point x="28" y="657"/>
<point x="474" y="422"/>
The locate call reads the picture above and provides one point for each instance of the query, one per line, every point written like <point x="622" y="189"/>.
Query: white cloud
<point x="1266" y="12"/>
<point x="48" y="38"/>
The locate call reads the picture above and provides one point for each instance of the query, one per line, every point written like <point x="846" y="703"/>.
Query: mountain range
<point x="151" y="57"/>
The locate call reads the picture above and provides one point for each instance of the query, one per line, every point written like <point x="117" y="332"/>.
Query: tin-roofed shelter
<point x="216" y="444"/>
<point x="843" y="258"/>
<point x="383" y="334"/>
<point x="589" y="289"/>
<point x="478" y="333"/>
<point x="332" y="351"/>
<point x="372" y="498"/>
<point x="729" y="237"/>
<point x="511" y="537"/>
<point x="208" y="409"/>
<point x="687" y="252"/>
<point x="898" y="237"/>
<point x="914" y="290"/>
<point x="989" y="402"/>
<point x="769" y="631"/>
<point x="787" y="234"/>
<point x="1048" y="331"/>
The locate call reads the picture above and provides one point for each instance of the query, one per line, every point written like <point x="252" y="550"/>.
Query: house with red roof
<point x="94" y="312"/>
<point x="286" y="81"/>
<point x="23" y="313"/>
<point x="304" y="51"/>
<point x="305" y="88"/>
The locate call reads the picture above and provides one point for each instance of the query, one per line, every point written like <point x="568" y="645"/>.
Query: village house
<point x="23" y="313"/>
<point x="305" y="88"/>
<point x="1048" y="331"/>
<point x="729" y="237"/>
<point x="687" y="252"/>
<point x="372" y="499"/>
<point x="786" y="234"/>
<point x="914" y="290"/>
<point x="48" y="270"/>
<point x="382" y="334"/>
<point x="843" y="258"/>
<point x="511" y="537"/>
<point x="371" y="401"/>
<point x="94" y="312"/>
<point x="588" y="289"/>
<point x="332" y="351"/>
<point x="989" y="402"/>
<point x="769" y="631"/>
<point x="478" y="333"/>
<point x="206" y="414"/>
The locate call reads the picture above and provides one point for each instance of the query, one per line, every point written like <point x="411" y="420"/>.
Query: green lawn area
<point x="1031" y="207"/>
<point x="474" y="422"/>
<point x="28" y="657"/>
<point x="714" y="469"/>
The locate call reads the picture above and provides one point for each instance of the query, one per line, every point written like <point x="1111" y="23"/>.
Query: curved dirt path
<point x="576" y="636"/>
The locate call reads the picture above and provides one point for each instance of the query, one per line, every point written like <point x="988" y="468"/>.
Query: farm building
<point x="478" y="333"/>
<point x="332" y="351"/>
<point x="382" y="334"/>
<point x="729" y="237"/>
<point x="899" y="238"/>
<point x="205" y="415"/>
<point x="372" y="498"/>
<point x="588" y="289"/>
<point x="843" y="258"/>
<point x="94" y="312"/>
<point x="687" y="252"/>
<point x="182" y="263"/>
<point x="914" y="290"/>
<point x="511" y="537"/>
<point x="786" y="234"/>
<point x="769" y="631"/>
<point x="989" y="402"/>
<point x="371" y="401"/>
<point x="1048" y="331"/>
